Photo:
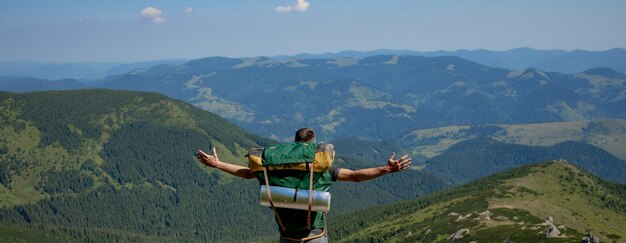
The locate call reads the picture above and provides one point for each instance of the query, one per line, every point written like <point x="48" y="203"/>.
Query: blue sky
<point x="116" y="31"/>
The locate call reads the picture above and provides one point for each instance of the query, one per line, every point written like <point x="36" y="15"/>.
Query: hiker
<point x="286" y="218"/>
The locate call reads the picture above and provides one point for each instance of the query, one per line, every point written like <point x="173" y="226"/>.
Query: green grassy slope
<point x="609" y="135"/>
<point x="508" y="206"/>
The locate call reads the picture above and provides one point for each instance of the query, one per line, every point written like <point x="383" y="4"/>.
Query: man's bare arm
<point x="213" y="161"/>
<point x="392" y="166"/>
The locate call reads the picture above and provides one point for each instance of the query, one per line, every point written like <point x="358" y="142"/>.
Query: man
<point x="341" y="174"/>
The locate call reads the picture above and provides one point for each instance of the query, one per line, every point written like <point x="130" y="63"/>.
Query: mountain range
<point x="374" y="98"/>
<point x="380" y="97"/>
<point x="515" y="59"/>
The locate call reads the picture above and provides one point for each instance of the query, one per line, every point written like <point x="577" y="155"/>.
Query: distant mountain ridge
<point x="84" y="71"/>
<point x="562" y="61"/>
<point x="377" y="97"/>
<point x="29" y="84"/>
<point x="515" y="59"/>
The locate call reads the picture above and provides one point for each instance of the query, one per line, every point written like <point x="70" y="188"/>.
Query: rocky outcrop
<point x="551" y="230"/>
<point x="485" y="216"/>
<point x="461" y="217"/>
<point x="589" y="238"/>
<point x="459" y="234"/>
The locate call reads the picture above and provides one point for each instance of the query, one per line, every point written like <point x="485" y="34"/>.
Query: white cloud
<point x="189" y="10"/>
<point x="150" y="12"/>
<point x="154" y="14"/>
<point x="301" y="6"/>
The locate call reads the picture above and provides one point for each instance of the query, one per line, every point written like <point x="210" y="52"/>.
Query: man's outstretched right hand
<point x="209" y="160"/>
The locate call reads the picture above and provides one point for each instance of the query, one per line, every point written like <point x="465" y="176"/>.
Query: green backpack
<point x="294" y="165"/>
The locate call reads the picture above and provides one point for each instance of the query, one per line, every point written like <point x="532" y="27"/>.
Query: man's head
<point x="305" y="135"/>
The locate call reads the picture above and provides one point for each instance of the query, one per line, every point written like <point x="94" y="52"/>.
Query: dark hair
<point x="305" y="135"/>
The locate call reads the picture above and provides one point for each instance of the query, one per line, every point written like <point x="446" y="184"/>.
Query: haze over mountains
<point x="87" y="71"/>
<point x="515" y="59"/>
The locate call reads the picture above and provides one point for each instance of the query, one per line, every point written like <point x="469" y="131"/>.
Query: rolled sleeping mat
<point x="284" y="197"/>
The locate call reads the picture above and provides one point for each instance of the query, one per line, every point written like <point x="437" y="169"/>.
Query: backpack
<point x="297" y="165"/>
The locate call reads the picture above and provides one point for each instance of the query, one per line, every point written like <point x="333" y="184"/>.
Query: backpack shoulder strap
<point x="308" y="216"/>
<point x="269" y="197"/>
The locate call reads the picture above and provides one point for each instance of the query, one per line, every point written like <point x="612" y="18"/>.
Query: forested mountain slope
<point x="479" y="157"/>
<point x="121" y="162"/>
<point x="98" y="165"/>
